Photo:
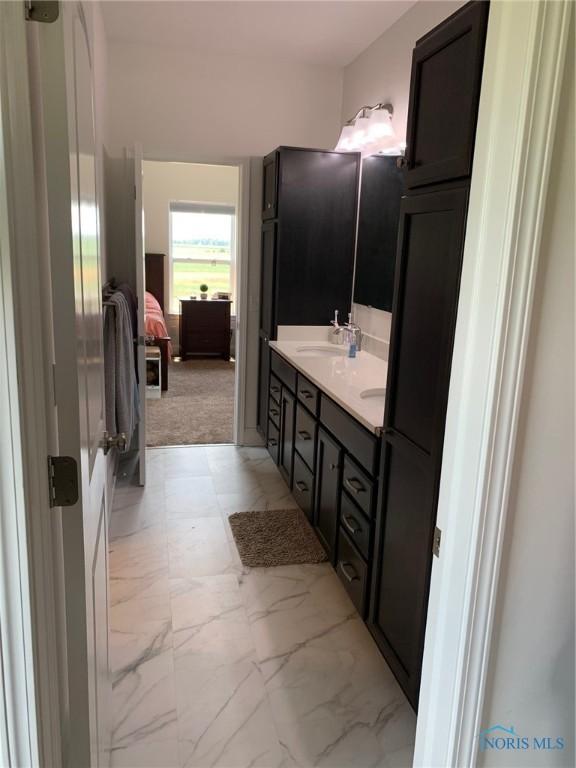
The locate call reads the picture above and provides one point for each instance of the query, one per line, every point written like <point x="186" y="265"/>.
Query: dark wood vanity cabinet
<point x="309" y="206"/>
<point x="444" y="93"/>
<point x="270" y="187"/>
<point x="331" y="462"/>
<point x="328" y="489"/>
<point x="286" y="447"/>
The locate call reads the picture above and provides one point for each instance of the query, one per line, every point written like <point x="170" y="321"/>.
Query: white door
<point x="66" y="105"/>
<point x="140" y="292"/>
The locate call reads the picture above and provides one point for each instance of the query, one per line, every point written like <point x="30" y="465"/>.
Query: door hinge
<point x="46" y="11"/>
<point x="62" y="481"/>
<point x="436" y="541"/>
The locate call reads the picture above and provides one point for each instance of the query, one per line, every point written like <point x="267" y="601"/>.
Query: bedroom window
<point x="202" y="243"/>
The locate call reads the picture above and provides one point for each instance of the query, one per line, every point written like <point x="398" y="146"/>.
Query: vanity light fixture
<point x="370" y="131"/>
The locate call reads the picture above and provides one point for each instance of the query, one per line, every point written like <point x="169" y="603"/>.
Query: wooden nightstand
<point x="205" y="328"/>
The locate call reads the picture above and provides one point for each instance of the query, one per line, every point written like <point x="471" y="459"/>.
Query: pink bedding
<point x="154" y="319"/>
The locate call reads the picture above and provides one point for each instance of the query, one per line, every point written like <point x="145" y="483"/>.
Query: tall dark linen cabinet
<point x="310" y="199"/>
<point x="444" y="94"/>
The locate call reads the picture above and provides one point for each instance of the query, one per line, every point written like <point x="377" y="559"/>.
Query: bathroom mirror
<point x="381" y="188"/>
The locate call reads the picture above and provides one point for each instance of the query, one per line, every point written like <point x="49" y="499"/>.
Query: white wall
<point x="531" y="676"/>
<point x="186" y="106"/>
<point x="382" y="73"/>
<point x="182" y="182"/>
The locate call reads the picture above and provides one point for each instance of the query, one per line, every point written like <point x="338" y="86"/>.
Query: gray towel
<point x="122" y="406"/>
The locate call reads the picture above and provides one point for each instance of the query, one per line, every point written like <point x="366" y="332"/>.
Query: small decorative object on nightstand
<point x="204" y="291"/>
<point x="205" y="328"/>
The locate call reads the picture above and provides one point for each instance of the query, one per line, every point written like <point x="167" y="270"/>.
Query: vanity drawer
<point x="283" y="370"/>
<point x="303" y="488"/>
<point x="355" y="525"/>
<point x="273" y="411"/>
<point x="305" y="436"/>
<point x="275" y="388"/>
<point x="308" y="394"/>
<point x="353" y="572"/>
<point x="273" y="441"/>
<point x="358" y="485"/>
<point x="362" y="444"/>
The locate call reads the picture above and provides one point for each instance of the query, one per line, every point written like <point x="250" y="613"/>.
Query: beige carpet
<point x="275" y="537"/>
<point x="197" y="408"/>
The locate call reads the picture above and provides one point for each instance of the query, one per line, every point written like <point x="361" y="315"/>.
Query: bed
<point x="155" y="320"/>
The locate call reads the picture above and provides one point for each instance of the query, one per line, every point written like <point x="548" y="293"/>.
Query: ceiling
<point x="320" y="32"/>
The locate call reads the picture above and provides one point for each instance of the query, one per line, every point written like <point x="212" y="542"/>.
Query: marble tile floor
<point x="219" y="665"/>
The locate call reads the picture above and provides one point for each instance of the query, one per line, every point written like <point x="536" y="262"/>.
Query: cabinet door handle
<point x="274" y="411"/>
<point x="302" y="487"/>
<point x="354" y="484"/>
<point x="349" y="573"/>
<point x="349" y="521"/>
<point x="272" y="442"/>
<point x="274" y="389"/>
<point x="304" y="435"/>
<point x="333" y="467"/>
<point x="306" y="393"/>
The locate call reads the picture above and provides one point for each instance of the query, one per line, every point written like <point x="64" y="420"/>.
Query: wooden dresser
<point x="204" y="328"/>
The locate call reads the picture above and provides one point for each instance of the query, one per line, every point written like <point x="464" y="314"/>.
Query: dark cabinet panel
<point x="361" y="443"/>
<point x="267" y="282"/>
<point x="263" y="384"/>
<point x="305" y="435"/>
<point x="308" y="395"/>
<point x="404" y="552"/>
<point x="303" y="487"/>
<point x="286" y="447"/>
<point x="270" y="186"/>
<point x="353" y="573"/>
<point x="317" y="199"/>
<point x="275" y="388"/>
<point x="356" y="525"/>
<point x="283" y="370"/>
<point x="358" y="485"/>
<point x="328" y="472"/>
<point x="429" y="262"/>
<point x="444" y="94"/>
<point x="274" y="411"/>
<point x="273" y="441"/>
<point x="380" y="193"/>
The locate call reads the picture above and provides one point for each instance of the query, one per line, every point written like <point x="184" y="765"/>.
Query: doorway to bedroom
<point x="191" y="265"/>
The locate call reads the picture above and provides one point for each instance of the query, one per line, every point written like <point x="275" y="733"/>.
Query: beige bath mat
<point x="275" y="537"/>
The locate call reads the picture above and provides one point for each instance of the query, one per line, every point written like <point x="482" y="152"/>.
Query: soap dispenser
<point x="351" y="332"/>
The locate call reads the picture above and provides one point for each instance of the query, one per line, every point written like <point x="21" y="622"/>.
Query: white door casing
<point x="67" y="115"/>
<point x="140" y="293"/>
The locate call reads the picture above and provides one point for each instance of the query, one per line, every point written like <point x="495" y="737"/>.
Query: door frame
<point x="31" y="611"/>
<point x="523" y="70"/>
<point x="243" y="435"/>
<point x="518" y="110"/>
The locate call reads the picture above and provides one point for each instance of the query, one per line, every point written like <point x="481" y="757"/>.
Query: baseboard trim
<point x="251" y="438"/>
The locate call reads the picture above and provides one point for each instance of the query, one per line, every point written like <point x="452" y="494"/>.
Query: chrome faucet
<point x="337" y="335"/>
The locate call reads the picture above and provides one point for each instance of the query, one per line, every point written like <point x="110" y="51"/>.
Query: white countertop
<point x="342" y="378"/>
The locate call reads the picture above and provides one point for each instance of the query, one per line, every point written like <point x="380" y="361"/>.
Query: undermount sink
<point x="320" y="351"/>
<point x="369" y="394"/>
